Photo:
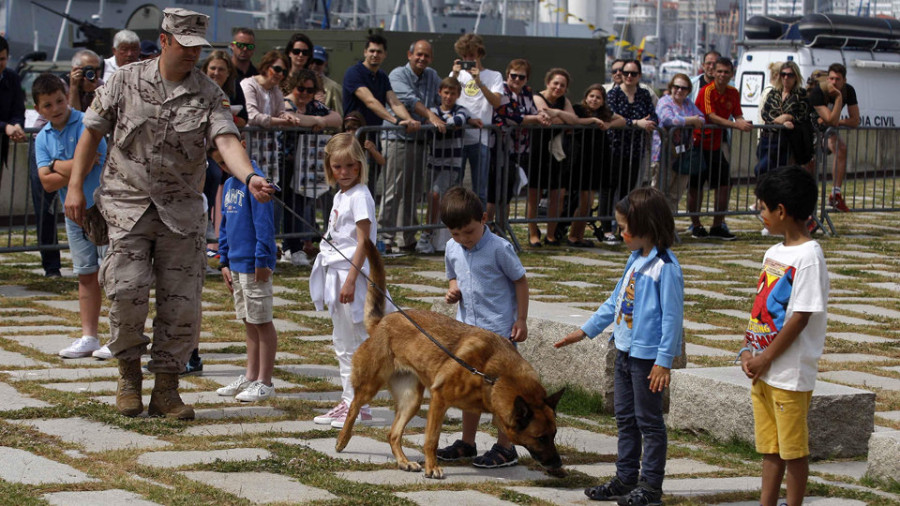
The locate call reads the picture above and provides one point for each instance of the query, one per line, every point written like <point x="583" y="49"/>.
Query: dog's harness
<point x="487" y="379"/>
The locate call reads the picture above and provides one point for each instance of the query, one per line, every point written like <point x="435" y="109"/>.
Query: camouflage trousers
<point x="150" y="252"/>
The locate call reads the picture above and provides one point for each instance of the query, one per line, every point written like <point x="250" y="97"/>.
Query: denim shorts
<point x="86" y="256"/>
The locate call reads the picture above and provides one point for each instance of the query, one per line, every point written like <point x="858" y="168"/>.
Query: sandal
<point x="497" y="456"/>
<point x="548" y="242"/>
<point x="580" y="243"/>
<point x="612" y="490"/>
<point x="458" y="450"/>
<point x="535" y="244"/>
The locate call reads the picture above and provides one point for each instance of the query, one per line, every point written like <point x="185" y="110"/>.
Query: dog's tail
<point x="375" y="299"/>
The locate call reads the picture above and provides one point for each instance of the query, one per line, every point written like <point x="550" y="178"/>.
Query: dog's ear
<point x="522" y="413"/>
<point x="553" y="400"/>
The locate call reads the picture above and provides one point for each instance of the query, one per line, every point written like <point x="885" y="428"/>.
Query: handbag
<point x="690" y="162"/>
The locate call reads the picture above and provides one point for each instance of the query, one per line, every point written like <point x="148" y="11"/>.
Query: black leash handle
<point x="488" y="379"/>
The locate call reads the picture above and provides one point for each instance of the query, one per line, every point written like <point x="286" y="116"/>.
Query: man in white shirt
<point x="481" y="90"/>
<point x="126" y="49"/>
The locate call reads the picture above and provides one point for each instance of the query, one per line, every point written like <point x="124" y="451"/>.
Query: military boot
<point x="165" y="401"/>
<point x="128" y="393"/>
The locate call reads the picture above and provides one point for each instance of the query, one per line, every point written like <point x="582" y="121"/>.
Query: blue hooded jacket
<point x="247" y="232"/>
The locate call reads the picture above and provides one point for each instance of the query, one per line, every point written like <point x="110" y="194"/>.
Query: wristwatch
<point x="50" y="167"/>
<point x="249" y="177"/>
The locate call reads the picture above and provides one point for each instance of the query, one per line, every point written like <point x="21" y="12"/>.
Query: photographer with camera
<point x="84" y="79"/>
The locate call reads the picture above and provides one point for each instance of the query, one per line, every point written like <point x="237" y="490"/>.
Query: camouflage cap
<point x="188" y="27"/>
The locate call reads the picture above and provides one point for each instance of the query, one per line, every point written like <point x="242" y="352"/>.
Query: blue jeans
<point x="479" y="158"/>
<point x="639" y="415"/>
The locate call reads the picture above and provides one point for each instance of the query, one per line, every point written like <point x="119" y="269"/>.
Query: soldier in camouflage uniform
<point x="164" y="114"/>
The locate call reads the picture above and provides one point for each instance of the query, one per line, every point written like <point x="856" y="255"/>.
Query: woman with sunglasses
<point x="786" y="105"/>
<point x="593" y="159"/>
<point x="635" y="104"/>
<point x="298" y="52"/>
<point x="677" y="111"/>
<point x="300" y="102"/>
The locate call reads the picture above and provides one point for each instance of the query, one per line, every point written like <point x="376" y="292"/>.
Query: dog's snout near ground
<point x="397" y="351"/>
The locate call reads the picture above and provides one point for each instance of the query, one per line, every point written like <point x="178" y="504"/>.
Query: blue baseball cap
<point x="319" y="53"/>
<point x="148" y="47"/>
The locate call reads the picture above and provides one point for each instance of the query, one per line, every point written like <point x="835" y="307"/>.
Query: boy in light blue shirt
<point x="488" y="280"/>
<point x="54" y="151"/>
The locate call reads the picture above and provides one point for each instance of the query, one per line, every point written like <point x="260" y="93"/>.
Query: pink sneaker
<point x="338" y="411"/>
<point x="365" y="415"/>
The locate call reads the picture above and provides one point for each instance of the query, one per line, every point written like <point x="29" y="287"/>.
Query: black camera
<point x="466" y="64"/>
<point x="89" y="73"/>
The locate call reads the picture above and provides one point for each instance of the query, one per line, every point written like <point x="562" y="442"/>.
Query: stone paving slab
<point x="359" y="449"/>
<point x="93" y="436"/>
<point x="586" y="441"/>
<point x="285" y="326"/>
<point x="83" y="386"/>
<point x="698" y="350"/>
<point x="886" y="286"/>
<point x="860" y="338"/>
<point x="690" y="325"/>
<point x="433" y="497"/>
<point x="324" y="315"/>
<point x="14" y="359"/>
<point x="15" y="291"/>
<point x="483" y="440"/>
<point x="212" y="347"/>
<point x="313" y="338"/>
<point x="869" y="309"/>
<point x="49" y="344"/>
<point x="863" y="379"/>
<point x="852" y="469"/>
<point x="421" y="288"/>
<point x="20" y="466"/>
<point x="696" y="292"/>
<point x="172" y="459"/>
<point x="114" y="497"/>
<point x="593" y="262"/>
<point x="32" y="319"/>
<point x="577" y="284"/>
<point x="744" y="263"/>
<point x="895" y="368"/>
<point x="854" y="357"/>
<point x="13" y="400"/>
<point x="850" y="320"/>
<point x="735" y="339"/>
<point x="64" y="374"/>
<point x="701" y="268"/>
<point x="10" y="310"/>
<point x="553" y="495"/>
<point x="818" y="501"/>
<point x="18" y="329"/>
<point x="280" y="356"/>
<point x="236" y="412"/>
<point x="261" y="488"/>
<point x="452" y="474"/>
<point x="240" y="428"/>
<point x="673" y="467"/>
<point x="187" y="397"/>
<point x="709" y="486"/>
<point x="889" y="415"/>
<point x="313" y="370"/>
<point x="436" y="275"/>
<point x="734" y="313"/>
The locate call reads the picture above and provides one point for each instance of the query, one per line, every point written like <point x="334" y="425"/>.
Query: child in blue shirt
<point x="488" y="280"/>
<point x="247" y="256"/>
<point x="54" y="150"/>
<point x="646" y="310"/>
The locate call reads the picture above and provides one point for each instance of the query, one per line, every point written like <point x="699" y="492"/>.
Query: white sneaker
<point x="365" y="415"/>
<point x="235" y="387"/>
<point x="82" y="347"/>
<point x="336" y="412"/>
<point x="424" y="245"/>
<point x="300" y="258"/>
<point x="103" y="353"/>
<point x="257" y="391"/>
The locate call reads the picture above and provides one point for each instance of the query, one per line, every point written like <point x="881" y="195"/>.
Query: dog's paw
<point x="412" y="467"/>
<point x="436" y="473"/>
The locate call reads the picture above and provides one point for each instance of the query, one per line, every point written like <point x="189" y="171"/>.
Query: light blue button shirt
<point x="486" y="276"/>
<point x="410" y="89"/>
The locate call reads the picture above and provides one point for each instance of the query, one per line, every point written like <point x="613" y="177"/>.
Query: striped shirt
<point x="446" y="150"/>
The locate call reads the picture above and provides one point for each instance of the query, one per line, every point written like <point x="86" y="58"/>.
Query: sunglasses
<point x="787" y="74"/>
<point x="630" y="73"/>
<point x="311" y="89"/>
<point x="518" y="77"/>
<point x="244" y="45"/>
<point x="279" y="69"/>
<point x="304" y="52"/>
<point x="677" y="87"/>
<point x="616" y="71"/>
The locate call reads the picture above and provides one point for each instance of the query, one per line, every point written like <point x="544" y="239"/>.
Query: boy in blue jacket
<point x="646" y="310"/>
<point x="247" y="256"/>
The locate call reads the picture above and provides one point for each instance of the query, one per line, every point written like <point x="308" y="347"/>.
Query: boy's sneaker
<point x="642" y="495"/>
<point x="365" y="415"/>
<point x="612" y="490"/>
<point x="721" y="232"/>
<point x="836" y="200"/>
<point x="235" y="387"/>
<point x="257" y="391"/>
<point x="84" y="346"/>
<point x="103" y="353"/>
<point x="332" y="415"/>
<point x="699" y="232"/>
<point x="300" y="258"/>
<point x="424" y="245"/>
<point x="611" y="239"/>
<point x="193" y="367"/>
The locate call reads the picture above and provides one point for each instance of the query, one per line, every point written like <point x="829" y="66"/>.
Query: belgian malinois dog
<point x="399" y="356"/>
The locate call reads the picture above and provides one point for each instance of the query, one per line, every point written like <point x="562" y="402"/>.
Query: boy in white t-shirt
<point x="481" y="91"/>
<point x="786" y="332"/>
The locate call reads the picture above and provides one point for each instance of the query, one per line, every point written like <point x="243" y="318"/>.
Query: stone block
<point x="20" y="466"/>
<point x="716" y="400"/>
<point x="97" y="498"/>
<point x="589" y="364"/>
<point x="261" y="488"/>
<point x="884" y="447"/>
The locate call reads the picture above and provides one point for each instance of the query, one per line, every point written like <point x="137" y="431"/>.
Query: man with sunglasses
<point x="416" y="86"/>
<point x="707" y="76"/>
<point x="330" y="95"/>
<point x="242" y="47"/>
<point x="165" y="114"/>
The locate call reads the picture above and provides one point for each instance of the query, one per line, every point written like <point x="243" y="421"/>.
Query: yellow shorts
<point x="780" y="421"/>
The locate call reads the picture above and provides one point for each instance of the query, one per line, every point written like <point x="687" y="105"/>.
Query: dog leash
<point x="488" y="379"/>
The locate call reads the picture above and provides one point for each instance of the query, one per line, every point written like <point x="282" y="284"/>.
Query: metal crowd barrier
<point x="530" y="164"/>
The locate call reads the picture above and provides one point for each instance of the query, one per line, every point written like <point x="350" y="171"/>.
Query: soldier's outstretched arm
<point x="238" y="163"/>
<point x="85" y="154"/>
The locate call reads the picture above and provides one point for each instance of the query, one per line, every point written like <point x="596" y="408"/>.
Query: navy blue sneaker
<point x="193" y="367"/>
